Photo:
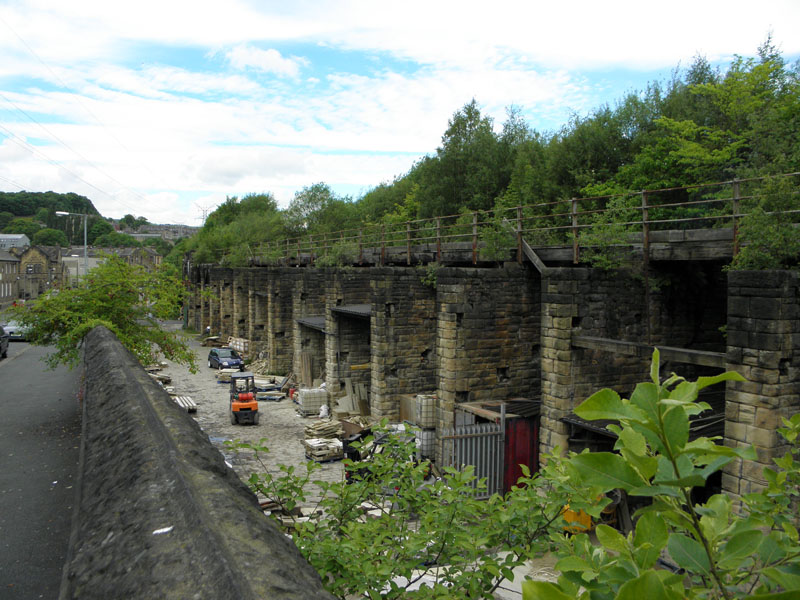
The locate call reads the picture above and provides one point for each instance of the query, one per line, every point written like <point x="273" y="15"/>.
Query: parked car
<point x="3" y="343"/>
<point x="225" y="358"/>
<point x="15" y="331"/>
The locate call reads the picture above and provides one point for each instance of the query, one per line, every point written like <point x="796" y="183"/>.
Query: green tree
<point x="467" y="171"/>
<point x="5" y="218"/>
<point x="50" y="237"/>
<point x="160" y="245"/>
<point x="306" y="210"/>
<point x="23" y="225"/>
<point x="125" y="298"/>
<point x="129" y="221"/>
<point x="769" y="234"/>
<point x="43" y="216"/>
<point x="97" y="229"/>
<point x="115" y="239"/>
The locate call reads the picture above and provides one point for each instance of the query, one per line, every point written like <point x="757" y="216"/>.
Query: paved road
<point x="39" y="445"/>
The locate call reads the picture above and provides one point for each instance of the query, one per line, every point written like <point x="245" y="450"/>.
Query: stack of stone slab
<point x="310" y="400"/>
<point x="425" y="419"/>
<point x="323" y="449"/>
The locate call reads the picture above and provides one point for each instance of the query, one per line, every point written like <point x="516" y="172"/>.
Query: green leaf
<point x="649" y="539"/>
<point x="786" y="577"/>
<point x="655" y="366"/>
<point x="688" y="553"/>
<point x="542" y="590"/>
<point x="646" y="465"/>
<point x="645" y="397"/>
<point x="770" y="551"/>
<point x="630" y="439"/>
<point x="738" y="548"/>
<point x="647" y="586"/>
<point x="611" y="539"/>
<point x="715" y="514"/>
<point x="605" y="404"/>
<point x="606" y="470"/>
<point x="686" y="391"/>
<point x="655" y="490"/>
<point x="714" y="466"/>
<point x="576" y="563"/>
<point x="704" y="382"/>
<point x="676" y="428"/>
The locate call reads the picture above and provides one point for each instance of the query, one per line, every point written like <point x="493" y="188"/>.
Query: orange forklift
<point x="244" y="405"/>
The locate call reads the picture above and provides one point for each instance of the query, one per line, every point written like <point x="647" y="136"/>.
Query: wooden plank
<point x="363" y="399"/>
<point x="682" y="355"/>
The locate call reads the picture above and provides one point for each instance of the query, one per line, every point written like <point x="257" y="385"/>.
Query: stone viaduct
<point x="547" y="329"/>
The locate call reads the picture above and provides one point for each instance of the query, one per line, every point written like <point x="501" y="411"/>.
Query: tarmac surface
<point x="39" y="445"/>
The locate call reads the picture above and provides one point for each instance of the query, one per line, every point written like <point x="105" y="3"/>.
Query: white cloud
<point x="244" y="56"/>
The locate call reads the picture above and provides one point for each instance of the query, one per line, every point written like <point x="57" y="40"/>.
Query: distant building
<point x="40" y="270"/>
<point x="169" y="232"/>
<point x="76" y="266"/>
<point x="145" y="257"/>
<point x="9" y="275"/>
<point x="13" y="240"/>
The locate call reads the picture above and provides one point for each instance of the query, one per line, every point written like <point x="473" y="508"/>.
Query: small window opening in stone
<point x="462" y="397"/>
<point x="389" y="309"/>
<point x="576" y="322"/>
<point x="339" y="302"/>
<point x="280" y="334"/>
<point x="459" y="318"/>
<point x="425" y="355"/>
<point x="303" y="296"/>
<point x="502" y="375"/>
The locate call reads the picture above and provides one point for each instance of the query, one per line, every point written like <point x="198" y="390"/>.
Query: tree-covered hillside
<point x="27" y="204"/>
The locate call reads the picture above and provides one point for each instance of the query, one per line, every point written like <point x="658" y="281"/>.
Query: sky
<point x="163" y="109"/>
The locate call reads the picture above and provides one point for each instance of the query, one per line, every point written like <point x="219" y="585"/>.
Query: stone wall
<point x="493" y="333"/>
<point x="763" y="335"/>
<point x="280" y="319"/>
<point x="159" y="513"/>
<point x="308" y="300"/>
<point x="487" y="336"/>
<point x="403" y="325"/>
<point x="344" y="340"/>
<point x="684" y="306"/>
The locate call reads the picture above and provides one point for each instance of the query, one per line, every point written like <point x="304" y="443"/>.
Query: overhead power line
<point x="90" y="113"/>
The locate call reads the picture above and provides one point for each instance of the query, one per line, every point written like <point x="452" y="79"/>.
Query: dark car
<point x="225" y="358"/>
<point x="3" y="343"/>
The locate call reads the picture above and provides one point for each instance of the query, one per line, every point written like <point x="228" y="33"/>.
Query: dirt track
<point x="279" y="424"/>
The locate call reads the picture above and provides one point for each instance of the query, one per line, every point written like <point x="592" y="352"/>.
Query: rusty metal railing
<point x="570" y="222"/>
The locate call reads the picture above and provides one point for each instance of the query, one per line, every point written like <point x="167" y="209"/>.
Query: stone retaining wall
<point x="159" y="514"/>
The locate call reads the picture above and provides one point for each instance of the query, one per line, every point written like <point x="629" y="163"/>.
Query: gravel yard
<point x="280" y="426"/>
